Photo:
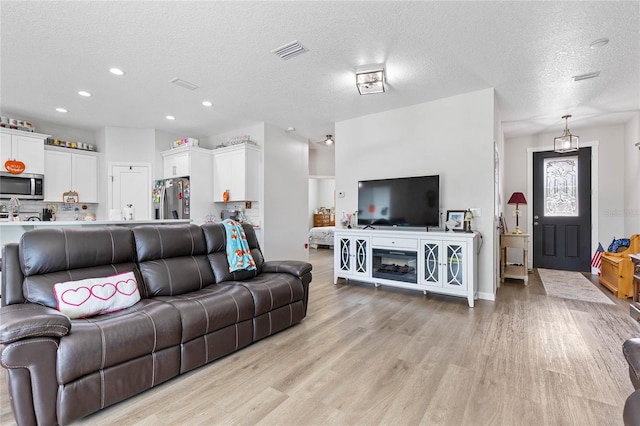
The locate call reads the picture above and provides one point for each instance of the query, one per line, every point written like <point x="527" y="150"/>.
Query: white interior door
<point x="131" y="184"/>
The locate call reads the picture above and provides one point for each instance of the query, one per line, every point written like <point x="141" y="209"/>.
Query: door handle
<point x="536" y="217"/>
<point x="535" y="223"/>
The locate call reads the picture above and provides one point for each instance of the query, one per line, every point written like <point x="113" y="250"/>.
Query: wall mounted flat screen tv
<point x="410" y="202"/>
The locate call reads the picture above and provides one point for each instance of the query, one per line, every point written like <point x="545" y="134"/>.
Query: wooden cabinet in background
<point x="616" y="269"/>
<point x="324" y="220"/>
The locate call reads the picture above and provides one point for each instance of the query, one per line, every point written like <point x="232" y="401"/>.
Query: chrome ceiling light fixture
<point x="328" y="141"/>
<point x="567" y="142"/>
<point x="370" y="81"/>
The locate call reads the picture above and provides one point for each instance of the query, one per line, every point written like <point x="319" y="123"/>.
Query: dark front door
<point x="562" y="210"/>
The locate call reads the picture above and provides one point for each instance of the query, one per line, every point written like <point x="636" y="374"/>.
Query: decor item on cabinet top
<point x="14" y="123"/>
<point x="185" y="142"/>
<point x="468" y="218"/>
<point x="237" y="140"/>
<point x="68" y="144"/>
<point x="455" y="220"/>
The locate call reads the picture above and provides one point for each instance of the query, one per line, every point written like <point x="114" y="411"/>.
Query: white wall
<point x="451" y="137"/>
<point x="322" y="161"/>
<point x="632" y="176"/>
<point x="610" y="188"/>
<point x="286" y="195"/>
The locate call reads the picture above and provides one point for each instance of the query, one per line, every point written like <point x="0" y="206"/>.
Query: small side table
<point x="518" y="241"/>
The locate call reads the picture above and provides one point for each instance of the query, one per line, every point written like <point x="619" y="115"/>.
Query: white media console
<point x="438" y="262"/>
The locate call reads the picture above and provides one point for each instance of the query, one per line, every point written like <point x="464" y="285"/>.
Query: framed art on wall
<point x="455" y="220"/>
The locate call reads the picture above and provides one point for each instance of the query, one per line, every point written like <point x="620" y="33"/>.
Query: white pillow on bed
<point x="93" y="296"/>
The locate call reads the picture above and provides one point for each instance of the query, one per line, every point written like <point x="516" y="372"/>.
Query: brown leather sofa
<point x="631" y="351"/>
<point x="192" y="311"/>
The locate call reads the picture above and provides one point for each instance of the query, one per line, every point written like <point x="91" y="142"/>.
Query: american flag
<point x="597" y="257"/>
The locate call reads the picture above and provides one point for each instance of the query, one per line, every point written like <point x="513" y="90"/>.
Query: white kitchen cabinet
<point x="23" y="146"/>
<point x="66" y="170"/>
<point x="193" y="162"/>
<point x="237" y="169"/>
<point x="184" y="161"/>
<point x="438" y="262"/>
<point x="176" y="164"/>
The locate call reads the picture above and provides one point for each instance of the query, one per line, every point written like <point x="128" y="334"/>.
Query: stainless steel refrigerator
<point x="171" y="198"/>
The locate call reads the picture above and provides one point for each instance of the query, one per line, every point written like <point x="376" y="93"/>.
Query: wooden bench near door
<point x="616" y="270"/>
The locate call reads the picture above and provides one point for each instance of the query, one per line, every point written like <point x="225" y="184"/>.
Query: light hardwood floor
<point x="394" y="357"/>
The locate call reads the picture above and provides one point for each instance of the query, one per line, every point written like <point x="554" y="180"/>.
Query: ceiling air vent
<point x="183" y="83"/>
<point x="289" y="50"/>
<point x="585" y="76"/>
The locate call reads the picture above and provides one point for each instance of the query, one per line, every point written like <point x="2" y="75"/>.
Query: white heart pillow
<point x="93" y="296"/>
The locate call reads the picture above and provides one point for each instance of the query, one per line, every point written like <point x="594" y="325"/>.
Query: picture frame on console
<point x="455" y="220"/>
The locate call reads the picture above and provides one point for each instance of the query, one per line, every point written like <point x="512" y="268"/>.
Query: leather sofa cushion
<point x="44" y="251"/>
<point x="173" y="259"/>
<point x="273" y="290"/>
<point x="216" y="239"/>
<point x="50" y="256"/>
<point x="164" y="242"/>
<point x="178" y="275"/>
<point x="106" y="340"/>
<point x="212" y="308"/>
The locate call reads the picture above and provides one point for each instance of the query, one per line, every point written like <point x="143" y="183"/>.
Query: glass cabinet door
<point x="455" y="266"/>
<point x="431" y="257"/>
<point x="345" y="254"/>
<point x="354" y="256"/>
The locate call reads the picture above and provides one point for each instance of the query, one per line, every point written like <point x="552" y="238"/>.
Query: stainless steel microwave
<point x="25" y="186"/>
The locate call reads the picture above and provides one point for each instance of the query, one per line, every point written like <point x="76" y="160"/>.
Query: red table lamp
<point x="517" y="198"/>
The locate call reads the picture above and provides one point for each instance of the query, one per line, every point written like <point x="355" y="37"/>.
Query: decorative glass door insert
<point x="454" y="265"/>
<point x="561" y="186"/>
<point x="431" y="262"/>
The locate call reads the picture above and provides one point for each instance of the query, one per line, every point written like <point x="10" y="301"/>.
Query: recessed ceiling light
<point x="116" y="71"/>
<point x="207" y="103"/>
<point x="290" y="129"/>
<point x="170" y="117"/>
<point x="601" y="42"/>
<point x="61" y="109"/>
<point x="84" y="93"/>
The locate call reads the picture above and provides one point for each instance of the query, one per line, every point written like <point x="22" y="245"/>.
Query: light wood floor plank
<point x="384" y="356"/>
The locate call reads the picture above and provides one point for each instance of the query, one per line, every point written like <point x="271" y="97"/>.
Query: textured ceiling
<point x="527" y="51"/>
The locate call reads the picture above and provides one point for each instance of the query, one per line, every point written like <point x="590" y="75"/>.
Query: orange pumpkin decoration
<point x="14" y="167"/>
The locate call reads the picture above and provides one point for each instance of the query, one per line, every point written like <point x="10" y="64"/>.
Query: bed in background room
<point x="321" y="236"/>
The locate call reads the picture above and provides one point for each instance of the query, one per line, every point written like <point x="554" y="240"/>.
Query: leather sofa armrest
<point x="631" y="351"/>
<point x="30" y="320"/>
<point x="631" y="413"/>
<point x="293" y="267"/>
